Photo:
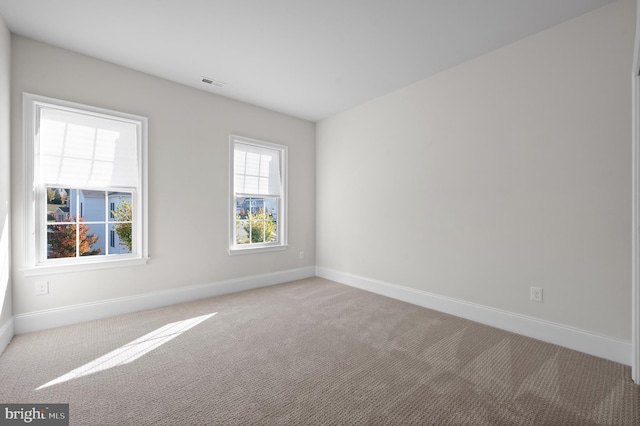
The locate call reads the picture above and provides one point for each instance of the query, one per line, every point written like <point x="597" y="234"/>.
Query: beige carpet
<point x="310" y="352"/>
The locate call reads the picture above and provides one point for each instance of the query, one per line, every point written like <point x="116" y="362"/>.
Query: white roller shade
<point x="256" y="170"/>
<point x="80" y="150"/>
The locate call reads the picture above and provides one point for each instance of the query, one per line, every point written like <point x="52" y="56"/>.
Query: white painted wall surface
<point x="188" y="178"/>
<point x="509" y="171"/>
<point x="5" y="188"/>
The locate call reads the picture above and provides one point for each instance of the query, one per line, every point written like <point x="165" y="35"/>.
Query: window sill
<point x="261" y="249"/>
<point x="83" y="266"/>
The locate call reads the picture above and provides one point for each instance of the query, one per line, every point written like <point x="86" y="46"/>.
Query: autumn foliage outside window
<point x="63" y="241"/>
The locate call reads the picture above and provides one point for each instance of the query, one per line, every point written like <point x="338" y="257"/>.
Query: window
<point x="87" y="167"/>
<point x="258" y="195"/>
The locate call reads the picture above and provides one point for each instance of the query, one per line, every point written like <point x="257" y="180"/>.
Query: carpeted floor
<point x="310" y="352"/>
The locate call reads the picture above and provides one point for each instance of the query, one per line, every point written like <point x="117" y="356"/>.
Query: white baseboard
<point x="593" y="344"/>
<point x="50" y="318"/>
<point x="605" y="347"/>
<point x="6" y="334"/>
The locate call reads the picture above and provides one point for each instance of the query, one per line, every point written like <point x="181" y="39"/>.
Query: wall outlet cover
<point x="536" y="294"/>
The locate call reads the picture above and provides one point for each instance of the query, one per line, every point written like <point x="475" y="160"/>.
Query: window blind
<point x="79" y="150"/>
<point x="256" y="171"/>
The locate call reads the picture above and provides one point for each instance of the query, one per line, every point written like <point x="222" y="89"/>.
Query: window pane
<point x="58" y="205"/>
<point x="271" y="207"/>
<point x="92" y="240"/>
<point x="120" y="238"/>
<point x="120" y="218"/>
<point x="92" y="205"/>
<point x="242" y="231"/>
<point x="120" y="206"/>
<point x="274" y="235"/>
<point x="61" y="241"/>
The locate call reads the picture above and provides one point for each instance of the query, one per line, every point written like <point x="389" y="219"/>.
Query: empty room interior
<point x="337" y="212"/>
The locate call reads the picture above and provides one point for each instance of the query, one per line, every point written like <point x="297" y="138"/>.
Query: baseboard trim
<point x="50" y="318"/>
<point x="6" y="334"/>
<point x="573" y="338"/>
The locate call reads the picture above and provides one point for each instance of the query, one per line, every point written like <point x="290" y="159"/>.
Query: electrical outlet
<point x="536" y="294"/>
<point x="301" y="255"/>
<point x="42" y="287"/>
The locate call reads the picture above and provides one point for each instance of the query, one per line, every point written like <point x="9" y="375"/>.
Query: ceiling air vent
<point x="213" y="82"/>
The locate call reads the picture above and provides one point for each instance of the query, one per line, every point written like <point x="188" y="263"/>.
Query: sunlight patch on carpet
<point x="133" y="350"/>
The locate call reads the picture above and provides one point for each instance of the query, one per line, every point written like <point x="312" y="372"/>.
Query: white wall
<point x="5" y="189"/>
<point x="509" y="171"/>
<point x="188" y="178"/>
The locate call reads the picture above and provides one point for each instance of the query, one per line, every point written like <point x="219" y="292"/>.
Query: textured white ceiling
<point x="307" y="58"/>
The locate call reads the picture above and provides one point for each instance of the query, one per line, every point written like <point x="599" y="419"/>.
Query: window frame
<point x="282" y="214"/>
<point x="35" y="193"/>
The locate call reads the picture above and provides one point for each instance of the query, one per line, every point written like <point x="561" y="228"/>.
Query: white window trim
<point x="35" y="267"/>
<point x="283" y="216"/>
